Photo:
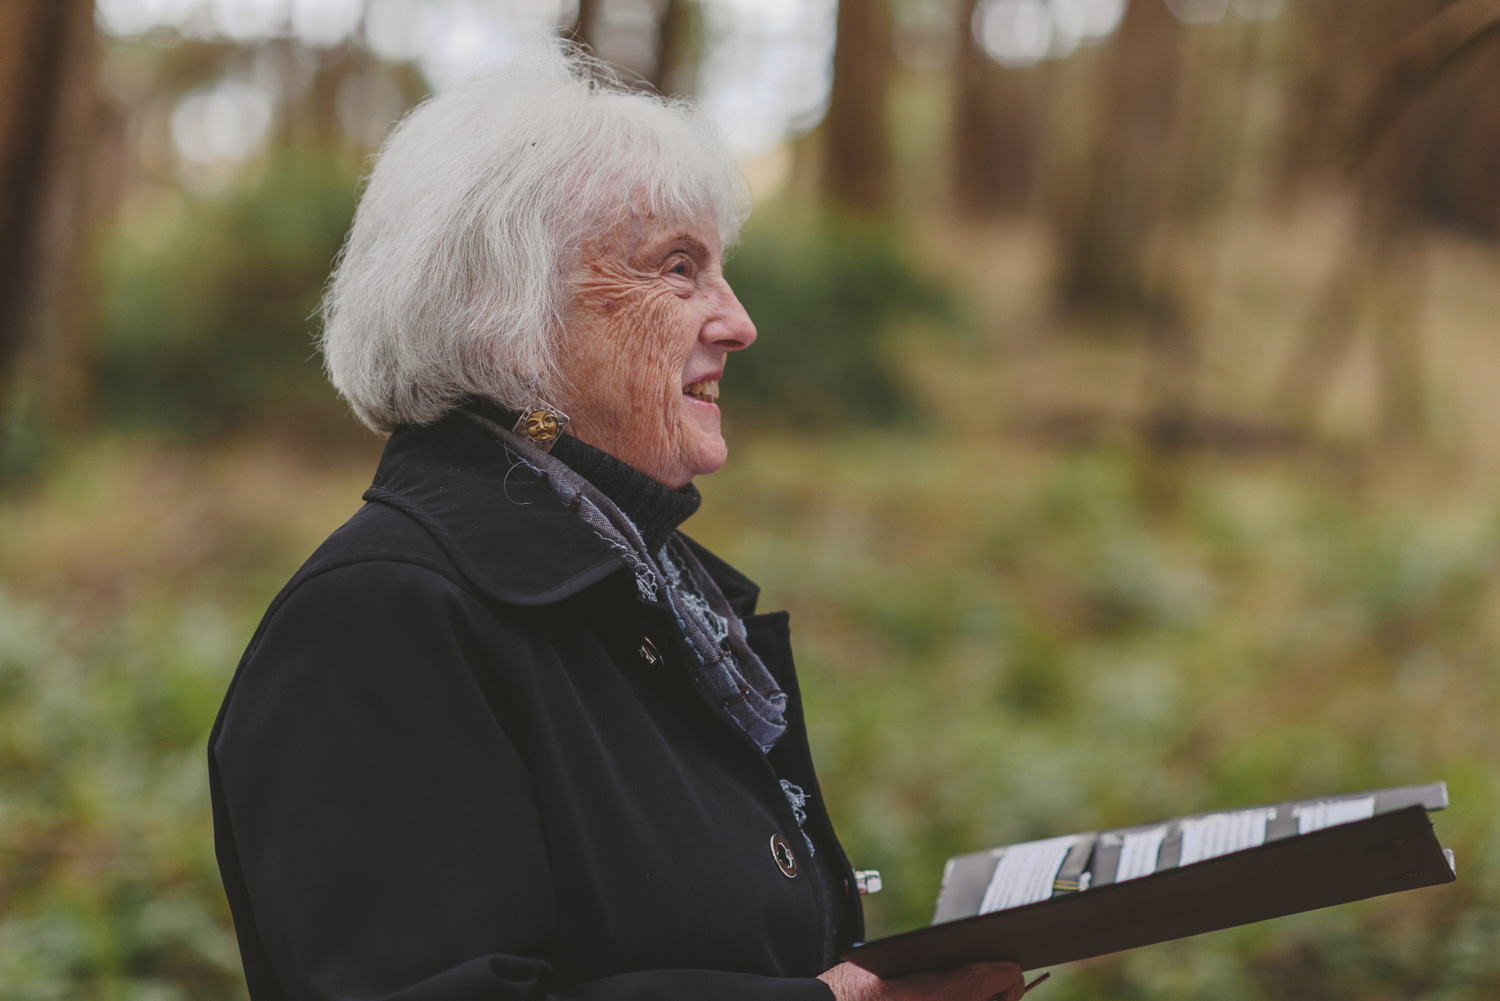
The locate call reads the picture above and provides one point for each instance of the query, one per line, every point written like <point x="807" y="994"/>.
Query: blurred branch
<point x="1434" y="48"/>
<point x="36" y="38"/>
<point x="1398" y="134"/>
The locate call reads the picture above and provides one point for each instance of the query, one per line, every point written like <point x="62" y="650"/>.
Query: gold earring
<point x="542" y="424"/>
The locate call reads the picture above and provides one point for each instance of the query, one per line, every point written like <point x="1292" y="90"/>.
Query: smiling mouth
<point x="706" y="390"/>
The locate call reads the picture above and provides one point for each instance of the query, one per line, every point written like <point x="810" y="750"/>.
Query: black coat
<point x="462" y="759"/>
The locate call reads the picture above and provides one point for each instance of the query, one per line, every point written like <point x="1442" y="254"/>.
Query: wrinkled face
<point x="648" y="327"/>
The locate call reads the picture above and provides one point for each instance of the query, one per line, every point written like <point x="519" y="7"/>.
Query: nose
<point x="731" y="328"/>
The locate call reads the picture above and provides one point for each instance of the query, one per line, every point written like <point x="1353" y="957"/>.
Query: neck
<point x="657" y="510"/>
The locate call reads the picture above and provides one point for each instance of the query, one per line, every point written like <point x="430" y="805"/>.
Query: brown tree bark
<point x="586" y="28"/>
<point x="1459" y="187"/>
<point x="1103" y="263"/>
<point x="677" y="43"/>
<point x="994" y="130"/>
<point x="678" y="48"/>
<point x="83" y="183"/>
<point x="40" y="43"/>
<point x="856" y="168"/>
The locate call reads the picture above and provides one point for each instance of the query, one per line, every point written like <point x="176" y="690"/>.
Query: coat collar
<point x="504" y="528"/>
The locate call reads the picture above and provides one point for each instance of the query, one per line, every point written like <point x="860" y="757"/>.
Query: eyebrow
<point x="692" y="244"/>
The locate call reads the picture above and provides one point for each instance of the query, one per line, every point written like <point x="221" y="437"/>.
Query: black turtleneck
<point x="657" y="510"/>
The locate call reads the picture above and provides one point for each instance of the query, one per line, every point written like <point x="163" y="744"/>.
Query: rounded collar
<point x="505" y="529"/>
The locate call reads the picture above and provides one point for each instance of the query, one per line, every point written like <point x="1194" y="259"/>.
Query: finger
<point x="1018" y="990"/>
<point x="994" y="969"/>
<point x="992" y="975"/>
<point x="1011" y="993"/>
<point x="973" y="982"/>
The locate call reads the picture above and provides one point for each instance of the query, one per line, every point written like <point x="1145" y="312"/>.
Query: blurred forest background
<point x="1124" y="432"/>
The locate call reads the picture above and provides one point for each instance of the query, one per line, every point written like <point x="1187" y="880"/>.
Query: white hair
<point x="454" y="277"/>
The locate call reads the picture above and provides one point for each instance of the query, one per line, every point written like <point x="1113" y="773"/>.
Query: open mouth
<point x="706" y="390"/>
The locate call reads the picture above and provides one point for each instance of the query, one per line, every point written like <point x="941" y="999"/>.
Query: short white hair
<point x="454" y="278"/>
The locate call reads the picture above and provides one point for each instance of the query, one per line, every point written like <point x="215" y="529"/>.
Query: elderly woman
<point x="508" y="734"/>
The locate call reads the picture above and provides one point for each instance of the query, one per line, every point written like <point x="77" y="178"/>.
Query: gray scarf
<point x="728" y="672"/>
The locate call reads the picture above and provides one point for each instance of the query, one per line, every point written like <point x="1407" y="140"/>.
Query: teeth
<point x="706" y="390"/>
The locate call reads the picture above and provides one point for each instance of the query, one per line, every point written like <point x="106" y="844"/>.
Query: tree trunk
<point x="994" y="130"/>
<point x="856" y="170"/>
<point x="678" y="48"/>
<point x="40" y="45"/>
<point x="84" y="166"/>
<point x="1460" y="187"/>
<point x="1103" y="262"/>
<point x="586" y="28"/>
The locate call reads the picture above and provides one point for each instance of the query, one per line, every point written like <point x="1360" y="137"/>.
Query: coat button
<point x="782" y="853"/>
<point x="649" y="652"/>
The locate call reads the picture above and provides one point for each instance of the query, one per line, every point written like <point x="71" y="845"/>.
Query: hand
<point x="977" y="982"/>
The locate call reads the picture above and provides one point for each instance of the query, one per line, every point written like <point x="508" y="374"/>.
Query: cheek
<point x="624" y="353"/>
<point x="641" y="348"/>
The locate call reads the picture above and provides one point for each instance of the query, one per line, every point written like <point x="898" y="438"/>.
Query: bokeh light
<point x="1014" y="32"/>
<point x="765" y="73"/>
<point x="228" y="121"/>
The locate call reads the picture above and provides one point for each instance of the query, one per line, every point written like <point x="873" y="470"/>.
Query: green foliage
<point x="21" y="436"/>
<point x="997" y="647"/>
<point x="211" y="321"/>
<point x="994" y="645"/>
<point x="108" y="884"/>
<point x="827" y="298"/>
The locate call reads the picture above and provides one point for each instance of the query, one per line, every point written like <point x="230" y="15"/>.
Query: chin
<point x="710" y="459"/>
<point x="699" y="462"/>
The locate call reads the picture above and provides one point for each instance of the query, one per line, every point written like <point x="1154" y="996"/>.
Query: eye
<point x="681" y="263"/>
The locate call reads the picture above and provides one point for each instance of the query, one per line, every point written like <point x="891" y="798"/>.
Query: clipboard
<point x="1299" y="865"/>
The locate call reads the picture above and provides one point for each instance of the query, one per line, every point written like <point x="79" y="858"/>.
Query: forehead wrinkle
<point x="696" y="247"/>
